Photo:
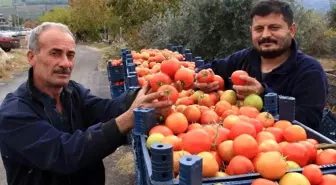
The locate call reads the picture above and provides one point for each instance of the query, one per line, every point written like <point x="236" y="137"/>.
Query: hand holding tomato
<point x="146" y="97"/>
<point x="252" y="86"/>
<point x="207" y="81"/>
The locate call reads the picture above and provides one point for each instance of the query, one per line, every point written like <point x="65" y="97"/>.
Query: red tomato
<point x="162" y="129"/>
<point x="220" y="81"/>
<point x="170" y="67"/>
<point x="327" y="156"/>
<point x="262" y="181"/>
<point x="205" y="76"/>
<point x="313" y="174"/>
<point x="296" y="152"/>
<point x="239" y="165"/>
<point x="235" y="77"/>
<point x="170" y="93"/>
<point x="312" y="150"/>
<point x="185" y="76"/>
<point x="158" y="80"/>
<point x="328" y="179"/>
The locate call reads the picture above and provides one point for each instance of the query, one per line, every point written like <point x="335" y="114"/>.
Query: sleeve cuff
<point x="112" y="133"/>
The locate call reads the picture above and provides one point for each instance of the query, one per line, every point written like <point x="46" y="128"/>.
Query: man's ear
<point x="31" y="57"/>
<point x="292" y="30"/>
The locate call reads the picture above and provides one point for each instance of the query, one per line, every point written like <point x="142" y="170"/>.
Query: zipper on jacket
<point x="48" y="116"/>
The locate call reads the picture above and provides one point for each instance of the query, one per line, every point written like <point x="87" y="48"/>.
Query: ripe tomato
<point x="225" y="150"/>
<point x="262" y="181"/>
<point x="249" y="111"/>
<point x="195" y="146"/>
<point x="159" y="79"/>
<point x="220" y="81"/>
<point x="177" y="122"/>
<point x="264" y="135"/>
<point x="327" y="156"/>
<point x="271" y="165"/>
<point x="242" y="128"/>
<point x="269" y="146"/>
<point x="313" y="174"/>
<point x="162" y="129"/>
<point x="296" y="152"/>
<point x="235" y="77"/>
<point x="239" y="165"/>
<point x="192" y="113"/>
<point x="245" y="145"/>
<point x="205" y="76"/>
<point x="185" y="76"/>
<point x="209" y="116"/>
<point x="209" y="164"/>
<point x="295" y="133"/>
<point x="266" y="119"/>
<point x="312" y="150"/>
<point x="170" y="93"/>
<point x="222" y="106"/>
<point x="328" y="179"/>
<point x="277" y="132"/>
<point x="174" y="141"/>
<point x="185" y="101"/>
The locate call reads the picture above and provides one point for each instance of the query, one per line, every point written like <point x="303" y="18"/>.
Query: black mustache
<point x="62" y="71"/>
<point x="267" y="40"/>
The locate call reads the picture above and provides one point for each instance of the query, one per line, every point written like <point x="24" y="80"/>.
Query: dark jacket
<point x="301" y="76"/>
<point x="39" y="146"/>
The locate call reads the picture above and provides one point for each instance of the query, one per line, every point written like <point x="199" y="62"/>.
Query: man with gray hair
<point x="52" y="129"/>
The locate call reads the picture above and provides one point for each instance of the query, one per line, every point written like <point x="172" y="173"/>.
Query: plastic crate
<point x="116" y="91"/>
<point x="115" y="73"/>
<point x="328" y="125"/>
<point x="143" y="160"/>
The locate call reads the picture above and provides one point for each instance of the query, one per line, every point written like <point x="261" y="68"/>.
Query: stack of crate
<point x="116" y="76"/>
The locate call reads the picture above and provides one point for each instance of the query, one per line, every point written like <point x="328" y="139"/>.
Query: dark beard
<point x="274" y="53"/>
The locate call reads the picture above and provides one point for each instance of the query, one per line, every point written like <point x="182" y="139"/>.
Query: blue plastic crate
<point x="116" y="73"/>
<point x="144" y="165"/>
<point x="328" y="125"/>
<point x="116" y="91"/>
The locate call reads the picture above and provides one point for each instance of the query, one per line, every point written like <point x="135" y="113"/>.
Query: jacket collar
<point x="285" y="68"/>
<point x="40" y="96"/>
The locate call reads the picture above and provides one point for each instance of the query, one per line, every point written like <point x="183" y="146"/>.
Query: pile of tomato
<point x="232" y="138"/>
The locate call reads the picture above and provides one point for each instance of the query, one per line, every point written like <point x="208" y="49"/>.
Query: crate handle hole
<point x="189" y="159"/>
<point x="164" y="158"/>
<point x="160" y="146"/>
<point x="164" y="175"/>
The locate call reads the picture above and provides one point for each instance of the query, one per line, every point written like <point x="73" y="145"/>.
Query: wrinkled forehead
<point x="56" y="38"/>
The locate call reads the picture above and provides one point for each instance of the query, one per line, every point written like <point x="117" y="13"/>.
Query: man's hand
<point x="252" y="87"/>
<point x="144" y="99"/>
<point x="205" y="87"/>
<point x="213" y="86"/>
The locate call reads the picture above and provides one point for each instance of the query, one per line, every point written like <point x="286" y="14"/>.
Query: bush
<point x="111" y="52"/>
<point x="218" y="28"/>
<point x="210" y="28"/>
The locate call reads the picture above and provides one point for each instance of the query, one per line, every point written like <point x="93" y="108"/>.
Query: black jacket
<point x="39" y="146"/>
<point x="301" y="76"/>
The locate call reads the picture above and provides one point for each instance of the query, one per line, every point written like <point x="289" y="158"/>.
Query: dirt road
<point x="119" y="166"/>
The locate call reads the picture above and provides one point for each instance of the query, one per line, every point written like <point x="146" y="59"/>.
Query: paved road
<point x="119" y="165"/>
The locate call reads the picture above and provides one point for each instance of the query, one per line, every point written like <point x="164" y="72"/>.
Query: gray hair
<point x="33" y="43"/>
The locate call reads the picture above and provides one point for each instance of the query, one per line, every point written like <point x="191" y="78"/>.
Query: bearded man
<point x="275" y="64"/>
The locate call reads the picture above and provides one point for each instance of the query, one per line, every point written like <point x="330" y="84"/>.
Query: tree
<point x="332" y="14"/>
<point x="58" y="14"/>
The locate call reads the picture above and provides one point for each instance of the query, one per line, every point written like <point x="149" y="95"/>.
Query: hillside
<point x="319" y="5"/>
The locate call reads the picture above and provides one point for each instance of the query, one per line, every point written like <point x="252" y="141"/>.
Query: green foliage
<point x="59" y="14"/>
<point x="210" y="28"/>
<point x="218" y="28"/>
<point x="332" y="14"/>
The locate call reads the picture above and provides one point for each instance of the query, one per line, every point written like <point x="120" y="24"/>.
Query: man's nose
<point x="266" y="33"/>
<point x="66" y="63"/>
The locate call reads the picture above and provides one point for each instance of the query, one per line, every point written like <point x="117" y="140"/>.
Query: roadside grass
<point x="16" y="63"/>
